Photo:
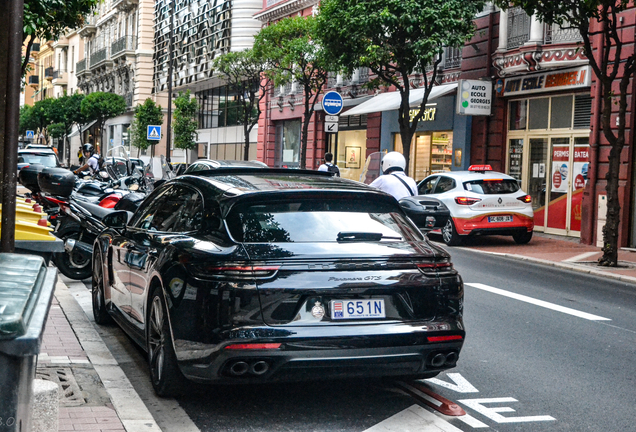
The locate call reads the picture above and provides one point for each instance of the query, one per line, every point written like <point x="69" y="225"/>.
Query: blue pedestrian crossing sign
<point x="30" y="134"/>
<point x="154" y="133"/>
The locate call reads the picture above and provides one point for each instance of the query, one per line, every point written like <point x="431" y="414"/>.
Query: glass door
<point x="580" y="164"/>
<point x="537" y="178"/>
<point x="559" y="182"/>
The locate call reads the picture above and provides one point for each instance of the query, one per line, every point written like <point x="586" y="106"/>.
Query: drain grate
<point x="70" y="393"/>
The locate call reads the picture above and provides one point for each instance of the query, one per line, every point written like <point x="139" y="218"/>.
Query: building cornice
<point x="533" y="60"/>
<point x="283" y="10"/>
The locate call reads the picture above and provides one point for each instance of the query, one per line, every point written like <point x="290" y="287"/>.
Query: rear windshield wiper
<point x="349" y="236"/>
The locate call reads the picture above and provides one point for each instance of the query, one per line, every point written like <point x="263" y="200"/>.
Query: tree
<point x="66" y="111"/>
<point x="291" y="52"/>
<point x="146" y="114"/>
<point x="27" y="120"/>
<point x="243" y="73"/>
<point x="396" y="39"/>
<point x="43" y="115"/>
<point x="185" y="121"/>
<point x="101" y="106"/>
<point x="48" y="19"/>
<point x="614" y="67"/>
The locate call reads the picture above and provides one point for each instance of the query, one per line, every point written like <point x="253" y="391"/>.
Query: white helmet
<point x="393" y="160"/>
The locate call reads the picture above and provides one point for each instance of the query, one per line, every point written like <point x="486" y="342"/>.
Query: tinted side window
<point x="147" y="209"/>
<point x="191" y="213"/>
<point x="427" y="186"/>
<point x="444" y="185"/>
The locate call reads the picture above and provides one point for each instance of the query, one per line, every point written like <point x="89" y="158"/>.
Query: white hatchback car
<point x="481" y="202"/>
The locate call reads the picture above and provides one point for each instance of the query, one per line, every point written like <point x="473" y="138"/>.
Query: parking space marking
<point x="537" y="302"/>
<point x="493" y="412"/>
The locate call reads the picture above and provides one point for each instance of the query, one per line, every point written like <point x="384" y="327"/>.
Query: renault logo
<point x="499" y="200"/>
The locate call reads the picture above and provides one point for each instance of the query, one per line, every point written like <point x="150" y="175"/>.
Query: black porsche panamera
<point x="260" y="275"/>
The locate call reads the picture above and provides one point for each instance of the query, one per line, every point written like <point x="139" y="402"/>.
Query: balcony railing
<point x="556" y="35"/>
<point x="58" y="74"/>
<point x="48" y="73"/>
<point x="518" y="27"/>
<point x="452" y="58"/>
<point x="35" y="47"/>
<point x="125" y="43"/>
<point x="34" y="80"/>
<point x="99" y="56"/>
<point x="80" y="66"/>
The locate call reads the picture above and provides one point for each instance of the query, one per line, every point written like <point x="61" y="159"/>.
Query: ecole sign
<point x="474" y="97"/>
<point x="547" y="81"/>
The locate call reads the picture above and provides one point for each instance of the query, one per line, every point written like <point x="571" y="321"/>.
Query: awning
<point x="84" y="128"/>
<point x="390" y="101"/>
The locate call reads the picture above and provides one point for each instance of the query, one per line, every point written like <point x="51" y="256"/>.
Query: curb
<point x="133" y="413"/>
<point x="572" y="267"/>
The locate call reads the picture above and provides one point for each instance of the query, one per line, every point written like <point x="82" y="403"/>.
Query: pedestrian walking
<point x="393" y="179"/>
<point x="329" y="165"/>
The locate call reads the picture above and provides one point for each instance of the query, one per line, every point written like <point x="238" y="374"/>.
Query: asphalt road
<point x="546" y="350"/>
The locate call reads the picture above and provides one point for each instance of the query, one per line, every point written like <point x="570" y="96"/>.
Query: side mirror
<point x="116" y="220"/>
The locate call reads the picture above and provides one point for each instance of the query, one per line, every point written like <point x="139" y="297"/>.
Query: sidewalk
<point x="97" y="396"/>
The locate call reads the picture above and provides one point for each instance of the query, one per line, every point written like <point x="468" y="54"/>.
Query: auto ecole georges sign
<point x="332" y="103"/>
<point x="474" y="97"/>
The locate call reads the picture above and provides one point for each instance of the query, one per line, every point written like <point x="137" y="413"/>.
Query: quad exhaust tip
<point x="256" y="368"/>
<point x="441" y="359"/>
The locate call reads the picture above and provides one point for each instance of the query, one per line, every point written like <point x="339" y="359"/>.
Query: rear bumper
<point x="327" y="358"/>
<point x="479" y="225"/>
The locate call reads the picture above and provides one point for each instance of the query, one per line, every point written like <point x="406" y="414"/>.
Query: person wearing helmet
<point x="393" y="179"/>
<point x="91" y="160"/>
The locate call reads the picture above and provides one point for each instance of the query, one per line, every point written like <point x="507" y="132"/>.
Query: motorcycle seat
<point x="94" y="209"/>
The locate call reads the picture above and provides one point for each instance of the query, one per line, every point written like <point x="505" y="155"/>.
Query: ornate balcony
<point x="34" y="81"/>
<point x="48" y="73"/>
<point x="556" y="35"/>
<point x="81" y="69"/>
<point x="518" y="27"/>
<point x="60" y="77"/>
<point x="125" y="5"/>
<point x="89" y="28"/>
<point x="100" y="58"/>
<point x="123" y="46"/>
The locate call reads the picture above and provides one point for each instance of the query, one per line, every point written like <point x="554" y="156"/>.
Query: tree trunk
<point x="304" y="135"/>
<point x="246" y="133"/>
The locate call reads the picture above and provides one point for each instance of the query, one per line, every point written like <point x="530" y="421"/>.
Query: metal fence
<point x="125" y="43"/>
<point x="99" y="56"/>
<point x="518" y="27"/>
<point x="555" y="34"/>
<point x="80" y="66"/>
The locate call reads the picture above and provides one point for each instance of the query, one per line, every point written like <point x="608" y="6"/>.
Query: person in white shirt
<point x="329" y="166"/>
<point x="91" y="158"/>
<point x="394" y="180"/>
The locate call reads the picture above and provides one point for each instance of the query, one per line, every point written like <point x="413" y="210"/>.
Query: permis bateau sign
<point x="548" y="81"/>
<point x="332" y="103"/>
<point x="474" y="98"/>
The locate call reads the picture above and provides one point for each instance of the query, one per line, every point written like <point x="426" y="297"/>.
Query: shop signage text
<point x="429" y="114"/>
<point x="474" y="98"/>
<point x="548" y="81"/>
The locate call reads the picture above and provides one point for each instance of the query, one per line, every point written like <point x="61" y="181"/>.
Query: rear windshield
<point x="321" y="220"/>
<point x="492" y="187"/>
<point x="46" y="159"/>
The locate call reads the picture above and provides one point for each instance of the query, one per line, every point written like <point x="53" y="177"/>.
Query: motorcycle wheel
<point x="73" y="267"/>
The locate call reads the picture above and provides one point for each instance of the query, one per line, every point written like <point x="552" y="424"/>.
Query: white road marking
<point x="537" y="302"/>
<point x="580" y="257"/>
<point x="461" y="384"/>
<point x="414" y="419"/>
<point x="493" y="413"/>
<point x="472" y="422"/>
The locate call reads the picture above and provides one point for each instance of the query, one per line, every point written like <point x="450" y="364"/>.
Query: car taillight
<point x="239" y="271"/>
<point x="433" y="267"/>
<point x="466" y="200"/>
<point x="254" y="346"/>
<point x="444" y="338"/>
<point x="526" y="199"/>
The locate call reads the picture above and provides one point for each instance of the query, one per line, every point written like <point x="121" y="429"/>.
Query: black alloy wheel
<point x="97" y="290"/>
<point x="165" y="375"/>
<point x="522" y="237"/>
<point x="449" y="234"/>
<point x="72" y="264"/>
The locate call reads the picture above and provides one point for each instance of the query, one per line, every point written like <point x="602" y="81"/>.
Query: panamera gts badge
<point x="318" y="311"/>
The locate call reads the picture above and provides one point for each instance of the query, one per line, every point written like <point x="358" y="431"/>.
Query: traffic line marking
<point x="461" y="384"/>
<point x="537" y="302"/>
<point x="493" y="412"/>
<point x="581" y="256"/>
<point x="414" y="419"/>
<point x="432" y="399"/>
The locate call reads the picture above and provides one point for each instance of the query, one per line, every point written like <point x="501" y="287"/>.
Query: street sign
<point x="331" y="127"/>
<point x="475" y="97"/>
<point x="332" y="103"/>
<point x="332" y="119"/>
<point x="30" y="134"/>
<point x="154" y="133"/>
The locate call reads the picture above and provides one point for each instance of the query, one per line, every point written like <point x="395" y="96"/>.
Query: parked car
<point x="252" y="275"/>
<point x="208" y="164"/>
<point x="481" y="202"/>
<point x="31" y="156"/>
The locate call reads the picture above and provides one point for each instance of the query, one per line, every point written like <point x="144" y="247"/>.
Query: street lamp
<point x="170" y="60"/>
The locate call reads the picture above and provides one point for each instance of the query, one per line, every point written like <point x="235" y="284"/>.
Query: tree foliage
<point x="146" y="114"/>
<point x="185" y="121"/>
<point x="243" y="73"/>
<point x="291" y="53"/>
<point x="614" y="67"/>
<point x="49" y="19"/>
<point x="101" y="106"/>
<point x="396" y="39"/>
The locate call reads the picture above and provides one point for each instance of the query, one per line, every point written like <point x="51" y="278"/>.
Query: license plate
<point x="356" y="309"/>
<point x="499" y="218"/>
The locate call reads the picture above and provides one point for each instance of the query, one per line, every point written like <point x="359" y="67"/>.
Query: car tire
<point x="62" y="260"/>
<point x="523" y="237"/>
<point x="97" y="291"/>
<point x="449" y="234"/>
<point x="167" y="379"/>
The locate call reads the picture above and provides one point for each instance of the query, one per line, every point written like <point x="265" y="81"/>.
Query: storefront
<point x="349" y="145"/>
<point x="548" y="131"/>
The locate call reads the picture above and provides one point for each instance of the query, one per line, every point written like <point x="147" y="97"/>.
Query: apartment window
<point x="218" y="107"/>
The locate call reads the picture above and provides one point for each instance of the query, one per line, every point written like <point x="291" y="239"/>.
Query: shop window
<point x="517" y="113"/>
<point x="288" y="143"/>
<point x="561" y="112"/>
<point x="539" y="109"/>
